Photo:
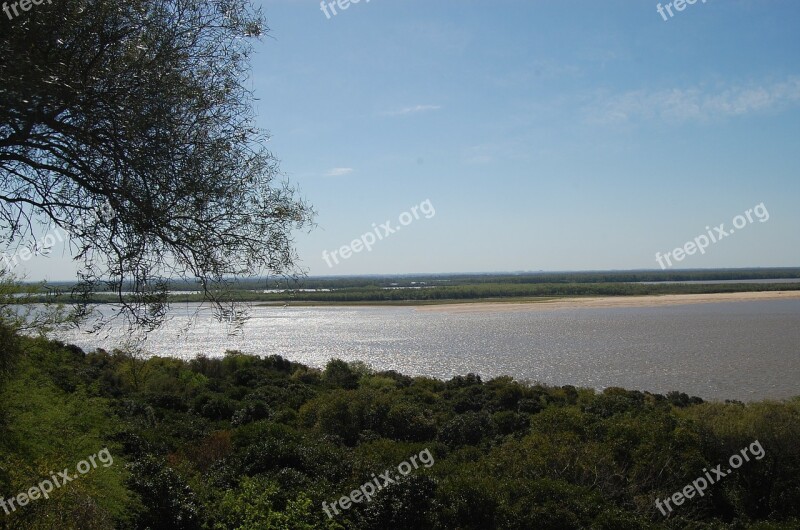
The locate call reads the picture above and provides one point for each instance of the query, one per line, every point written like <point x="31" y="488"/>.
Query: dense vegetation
<point x="338" y="282"/>
<point x="260" y="443"/>
<point x="489" y="291"/>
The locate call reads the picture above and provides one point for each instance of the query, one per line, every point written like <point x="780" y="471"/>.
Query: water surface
<point x="734" y="350"/>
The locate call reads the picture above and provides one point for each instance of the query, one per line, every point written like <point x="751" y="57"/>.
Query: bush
<point x="167" y="501"/>
<point x="339" y="374"/>
<point x="252" y="411"/>
<point x="410" y="503"/>
<point x="509" y="422"/>
<point x="470" y="428"/>
<point x="215" y="407"/>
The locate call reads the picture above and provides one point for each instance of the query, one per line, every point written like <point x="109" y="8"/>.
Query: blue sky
<point x="565" y="135"/>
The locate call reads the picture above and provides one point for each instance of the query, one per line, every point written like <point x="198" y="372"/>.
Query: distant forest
<point x="436" y="288"/>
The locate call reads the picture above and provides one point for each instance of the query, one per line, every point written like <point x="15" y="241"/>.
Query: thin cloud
<point x="412" y="110"/>
<point x="339" y="171"/>
<point x="695" y="104"/>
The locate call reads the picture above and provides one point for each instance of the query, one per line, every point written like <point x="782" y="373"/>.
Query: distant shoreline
<point x="580" y="288"/>
<point x="611" y="302"/>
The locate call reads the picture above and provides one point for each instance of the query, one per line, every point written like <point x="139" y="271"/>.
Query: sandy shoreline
<point x="611" y="301"/>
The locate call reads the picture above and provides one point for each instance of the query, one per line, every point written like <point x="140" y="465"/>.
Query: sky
<point x="532" y="135"/>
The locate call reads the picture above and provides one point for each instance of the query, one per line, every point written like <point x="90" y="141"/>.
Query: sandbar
<point x="611" y="302"/>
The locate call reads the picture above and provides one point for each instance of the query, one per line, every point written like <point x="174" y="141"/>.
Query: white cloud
<point x="412" y="110"/>
<point x="695" y="104"/>
<point x="339" y="171"/>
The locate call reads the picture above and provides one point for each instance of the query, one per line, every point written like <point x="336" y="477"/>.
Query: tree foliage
<point x="142" y="107"/>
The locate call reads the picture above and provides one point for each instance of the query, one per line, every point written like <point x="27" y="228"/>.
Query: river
<point x="734" y="350"/>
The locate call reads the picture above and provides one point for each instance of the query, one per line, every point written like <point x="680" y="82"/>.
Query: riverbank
<point x="612" y="302"/>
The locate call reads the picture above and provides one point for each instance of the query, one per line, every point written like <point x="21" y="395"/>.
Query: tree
<point x="339" y="374"/>
<point x="141" y="108"/>
<point x="253" y="505"/>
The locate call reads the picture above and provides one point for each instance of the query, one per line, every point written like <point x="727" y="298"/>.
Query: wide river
<point x="733" y="350"/>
